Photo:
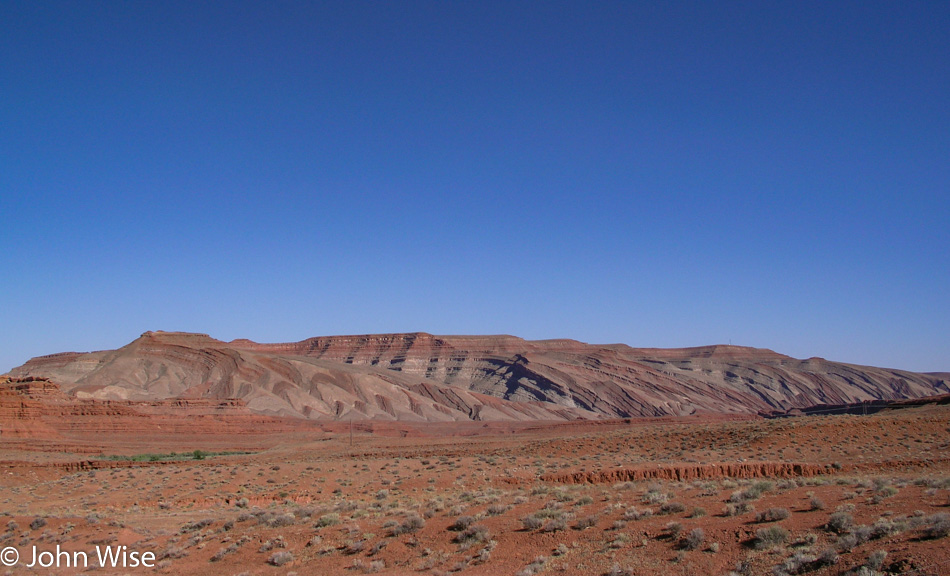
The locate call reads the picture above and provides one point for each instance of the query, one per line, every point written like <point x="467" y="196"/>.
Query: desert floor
<point x="811" y="495"/>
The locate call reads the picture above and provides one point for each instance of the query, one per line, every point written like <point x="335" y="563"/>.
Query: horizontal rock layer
<point x="421" y="377"/>
<point x="690" y="472"/>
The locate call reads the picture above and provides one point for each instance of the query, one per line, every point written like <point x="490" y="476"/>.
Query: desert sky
<point x="770" y="174"/>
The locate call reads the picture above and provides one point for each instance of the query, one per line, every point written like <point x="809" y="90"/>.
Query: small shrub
<point x="694" y="540"/>
<point x="269" y="545"/>
<point x="531" y="569"/>
<point x="798" y="563"/>
<point x="816" y="503"/>
<point x="483" y="556"/>
<point x="282" y="520"/>
<point x="884" y="527"/>
<point x="618" y="571"/>
<point x="828" y="557"/>
<point x="497" y="509"/>
<point x="672" y="508"/>
<point x="280" y="558"/>
<point x="840" y="522"/>
<point x="531" y="522"/>
<point x="634" y="514"/>
<point x="474" y="534"/>
<point x="461" y="523"/>
<point x="887" y="492"/>
<point x="224" y="552"/>
<point x="562" y="496"/>
<point x="585" y="523"/>
<point x="698" y="512"/>
<point x="674" y="529"/>
<point x="787" y="484"/>
<point x="937" y="526"/>
<point x="195" y="526"/>
<point x="738" y="509"/>
<point x="770" y="537"/>
<point x="327" y="520"/>
<point x="411" y="524"/>
<point x="876" y="560"/>
<point x="37" y="523"/>
<point x="619" y="541"/>
<point x="857" y="537"/>
<point x="772" y="515"/>
<point x="654" y="496"/>
<point x="752" y="492"/>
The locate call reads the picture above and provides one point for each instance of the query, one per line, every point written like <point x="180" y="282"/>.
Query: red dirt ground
<point x="536" y="498"/>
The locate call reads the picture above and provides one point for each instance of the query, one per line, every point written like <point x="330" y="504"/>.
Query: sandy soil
<point x="677" y="496"/>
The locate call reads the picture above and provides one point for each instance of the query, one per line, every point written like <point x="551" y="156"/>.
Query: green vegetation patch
<point x="172" y="456"/>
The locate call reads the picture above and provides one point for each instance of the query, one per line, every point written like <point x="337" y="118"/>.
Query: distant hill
<point x="421" y="377"/>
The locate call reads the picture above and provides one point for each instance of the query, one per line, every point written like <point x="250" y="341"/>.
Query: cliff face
<point x="442" y="378"/>
<point x="38" y="409"/>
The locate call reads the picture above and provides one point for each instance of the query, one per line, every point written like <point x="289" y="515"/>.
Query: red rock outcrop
<point x="689" y="472"/>
<point x="37" y="409"/>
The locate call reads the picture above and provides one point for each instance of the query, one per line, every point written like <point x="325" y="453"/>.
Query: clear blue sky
<point x="774" y="174"/>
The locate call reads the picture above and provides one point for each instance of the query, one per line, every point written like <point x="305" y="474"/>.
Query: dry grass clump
<point x="472" y="536"/>
<point x="37" y="523"/>
<point x="327" y="520"/>
<point x="617" y="570"/>
<point x="585" y="523"/>
<point x="536" y="566"/>
<point x="936" y="526"/>
<point x="497" y="509"/>
<point x="802" y="563"/>
<point x="753" y="492"/>
<point x="772" y="515"/>
<point x="694" y="540"/>
<point x="858" y="536"/>
<point x="412" y="523"/>
<point x="280" y="558"/>
<point x="634" y="514"/>
<point x="738" y="509"/>
<point x="655" y="495"/>
<point x="672" y="508"/>
<point x="839" y="522"/>
<point x="673" y="530"/>
<point x="770" y="537"/>
<point x="461" y="523"/>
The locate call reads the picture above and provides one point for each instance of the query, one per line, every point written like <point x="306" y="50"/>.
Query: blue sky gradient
<point x="772" y="174"/>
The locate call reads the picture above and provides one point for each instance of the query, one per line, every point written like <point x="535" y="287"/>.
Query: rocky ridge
<point x="421" y="377"/>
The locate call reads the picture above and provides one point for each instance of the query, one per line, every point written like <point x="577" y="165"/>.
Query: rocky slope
<point x="421" y="377"/>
